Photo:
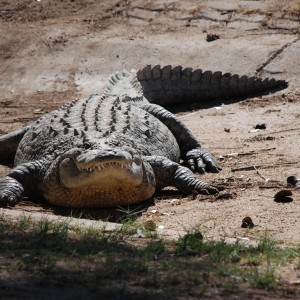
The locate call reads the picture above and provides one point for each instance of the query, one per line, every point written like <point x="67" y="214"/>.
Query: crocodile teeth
<point x="106" y="165"/>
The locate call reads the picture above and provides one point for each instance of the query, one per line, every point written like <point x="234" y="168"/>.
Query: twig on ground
<point x="284" y="130"/>
<point x="252" y="152"/>
<point x="45" y="42"/>
<point x="261" y="176"/>
<point x="251" y="168"/>
<point x="270" y="186"/>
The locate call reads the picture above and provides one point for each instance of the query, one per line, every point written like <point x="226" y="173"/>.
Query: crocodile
<point x="119" y="147"/>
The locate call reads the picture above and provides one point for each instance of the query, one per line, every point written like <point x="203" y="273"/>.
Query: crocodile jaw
<point x="100" y="179"/>
<point x="101" y="168"/>
<point x="109" y="174"/>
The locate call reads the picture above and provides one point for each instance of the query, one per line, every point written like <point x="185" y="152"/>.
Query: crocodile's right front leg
<point x="22" y="181"/>
<point x="169" y="173"/>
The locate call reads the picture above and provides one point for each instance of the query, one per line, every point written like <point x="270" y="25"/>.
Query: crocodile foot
<point x="11" y="192"/>
<point x="200" y="160"/>
<point x="208" y="190"/>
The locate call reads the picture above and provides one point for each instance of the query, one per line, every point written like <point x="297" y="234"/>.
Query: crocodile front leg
<point x="169" y="173"/>
<point x="194" y="156"/>
<point x="22" y="181"/>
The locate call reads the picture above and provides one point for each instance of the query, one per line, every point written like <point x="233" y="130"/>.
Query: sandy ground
<point x="54" y="51"/>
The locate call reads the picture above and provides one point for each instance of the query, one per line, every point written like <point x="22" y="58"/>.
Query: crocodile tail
<point x="9" y="144"/>
<point x="171" y="86"/>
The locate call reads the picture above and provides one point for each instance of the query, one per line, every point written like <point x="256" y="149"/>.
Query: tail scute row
<point x="170" y="86"/>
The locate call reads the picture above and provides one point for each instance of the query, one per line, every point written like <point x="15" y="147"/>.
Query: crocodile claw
<point x="201" y="161"/>
<point x="208" y="190"/>
<point x="8" y="200"/>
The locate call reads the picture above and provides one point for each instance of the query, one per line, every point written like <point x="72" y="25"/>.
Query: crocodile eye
<point x="87" y="145"/>
<point x="137" y="160"/>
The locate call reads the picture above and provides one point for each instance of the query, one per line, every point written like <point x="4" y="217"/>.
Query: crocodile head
<point x="99" y="178"/>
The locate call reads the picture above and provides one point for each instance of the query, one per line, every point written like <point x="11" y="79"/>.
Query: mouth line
<point x="104" y="166"/>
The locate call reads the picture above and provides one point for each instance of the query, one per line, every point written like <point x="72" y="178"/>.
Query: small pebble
<point x="261" y="126"/>
<point x="150" y="225"/>
<point x="247" y="223"/>
<point x="212" y="37"/>
<point x="283" y="196"/>
<point x="292" y="181"/>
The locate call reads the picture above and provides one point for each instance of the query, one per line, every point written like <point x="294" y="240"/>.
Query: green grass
<point x="130" y="265"/>
<point x="266" y="279"/>
<point x="249" y="11"/>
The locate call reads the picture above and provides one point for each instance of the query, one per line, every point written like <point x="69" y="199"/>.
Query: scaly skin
<point x="169" y="86"/>
<point x="117" y="148"/>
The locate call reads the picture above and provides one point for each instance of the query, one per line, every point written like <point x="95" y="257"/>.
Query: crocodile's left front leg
<point x="195" y="157"/>
<point x="9" y="144"/>
<point x="169" y="173"/>
<point x="22" y="181"/>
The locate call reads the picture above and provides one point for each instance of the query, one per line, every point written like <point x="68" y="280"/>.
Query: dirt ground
<point x="54" y="51"/>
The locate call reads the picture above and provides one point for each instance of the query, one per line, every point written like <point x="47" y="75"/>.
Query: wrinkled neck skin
<point x="102" y="176"/>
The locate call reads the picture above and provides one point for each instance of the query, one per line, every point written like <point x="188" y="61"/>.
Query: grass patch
<point x="131" y="265"/>
<point x="266" y="279"/>
<point x="286" y="7"/>
<point x="250" y="11"/>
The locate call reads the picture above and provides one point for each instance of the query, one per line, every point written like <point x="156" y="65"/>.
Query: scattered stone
<point x="38" y="111"/>
<point x="247" y="223"/>
<point x="212" y="37"/>
<point x="226" y="196"/>
<point x="87" y="20"/>
<point x="6" y="102"/>
<point x="194" y="195"/>
<point x="218" y="107"/>
<point x="283" y="196"/>
<point x="292" y="181"/>
<point x="150" y="225"/>
<point x="254" y="130"/>
<point x="270" y="138"/>
<point x="176" y="202"/>
<point x="261" y="126"/>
